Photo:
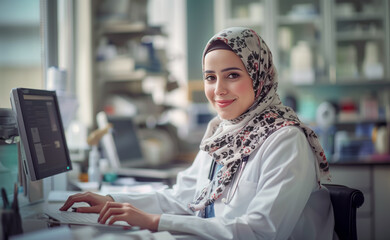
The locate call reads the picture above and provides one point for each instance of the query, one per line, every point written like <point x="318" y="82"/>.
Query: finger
<point x="107" y="206"/>
<point x="71" y="200"/>
<point x="116" y="218"/>
<point x="93" y="209"/>
<point x="111" y="212"/>
<point x="87" y="197"/>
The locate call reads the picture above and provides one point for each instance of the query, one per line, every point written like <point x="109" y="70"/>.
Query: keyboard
<point x="66" y="217"/>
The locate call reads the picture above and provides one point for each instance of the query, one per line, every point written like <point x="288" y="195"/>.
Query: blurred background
<point x="142" y="58"/>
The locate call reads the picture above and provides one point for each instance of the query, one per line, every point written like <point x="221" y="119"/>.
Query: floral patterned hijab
<point x="230" y="141"/>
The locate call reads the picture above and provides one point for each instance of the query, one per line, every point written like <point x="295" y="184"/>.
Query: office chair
<point x="345" y="201"/>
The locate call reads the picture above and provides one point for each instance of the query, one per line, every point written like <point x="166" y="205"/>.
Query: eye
<point x="233" y="75"/>
<point x="209" y="78"/>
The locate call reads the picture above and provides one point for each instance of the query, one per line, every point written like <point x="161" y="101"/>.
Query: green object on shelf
<point x="307" y="107"/>
<point x="110" y="177"/>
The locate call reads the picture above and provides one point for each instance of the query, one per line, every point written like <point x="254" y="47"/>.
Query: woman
<point x="257" y="174"/>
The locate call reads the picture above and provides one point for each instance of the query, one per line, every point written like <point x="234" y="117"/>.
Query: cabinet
<point x="373" y="181"/>
<point x="249" y="13"/>
<point x="318" y="41"/>
<point x="336" y="50"/>
<point x="238" y="13"/>
<point x="300" y="41"/>
<point x="293" y="30"/>
<point x="360" y="36"/>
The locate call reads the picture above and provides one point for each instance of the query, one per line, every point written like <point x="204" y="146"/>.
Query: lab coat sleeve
<point x="173" y="200"/>
<point x="287" y="178"/>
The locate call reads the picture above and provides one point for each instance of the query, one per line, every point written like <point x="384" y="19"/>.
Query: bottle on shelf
<point x="372" y="67"/>
<point x="94" y="155"/>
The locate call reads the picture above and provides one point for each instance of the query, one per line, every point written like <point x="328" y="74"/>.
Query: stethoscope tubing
<point x="229" y="195"/>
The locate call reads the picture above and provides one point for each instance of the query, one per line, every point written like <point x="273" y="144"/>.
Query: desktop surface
<point x="36" y="222"/>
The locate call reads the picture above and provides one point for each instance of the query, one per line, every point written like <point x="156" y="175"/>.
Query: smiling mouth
<point x="224" y="103"/>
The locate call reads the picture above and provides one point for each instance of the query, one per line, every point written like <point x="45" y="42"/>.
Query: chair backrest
<point x="345" y="201"/>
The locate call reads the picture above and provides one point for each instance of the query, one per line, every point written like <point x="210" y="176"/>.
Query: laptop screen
<point x="126" y="140"/>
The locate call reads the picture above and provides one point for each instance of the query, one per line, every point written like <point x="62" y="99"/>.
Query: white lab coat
<point x="277" y="196"/>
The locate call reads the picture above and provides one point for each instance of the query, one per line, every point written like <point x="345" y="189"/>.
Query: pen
<point x="212" y="169"/>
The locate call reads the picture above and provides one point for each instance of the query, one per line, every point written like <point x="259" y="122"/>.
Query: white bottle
<point x="301" y="60"/>
<point x="94" y="169"/>
<point x="94" y="156"/>
<point x="372" y="67"/>
<point x="382" y="141"/>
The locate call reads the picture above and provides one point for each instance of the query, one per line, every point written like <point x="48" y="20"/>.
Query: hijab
<point x="230" y="141"/>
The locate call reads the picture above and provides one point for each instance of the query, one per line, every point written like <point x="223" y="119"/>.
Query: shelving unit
<point x="360" y="40"/>
<point x="125" y="56"/>
<point x="300" y="48"/>
<point x="349" y="47"/>
<point x="250" y="13"/>
<point x="326" y="28"/>
<point x="132" y="72"/>
<point x="314" y="46"/>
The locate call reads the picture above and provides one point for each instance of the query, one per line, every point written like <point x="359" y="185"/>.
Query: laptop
<point x="122" y="147"/>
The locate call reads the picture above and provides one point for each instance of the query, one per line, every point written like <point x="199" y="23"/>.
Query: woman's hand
<point x="95" y="201"/>
<point x="113" y="211"/>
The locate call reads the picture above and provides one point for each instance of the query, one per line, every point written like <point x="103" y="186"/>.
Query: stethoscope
<point x="226" y="200"/>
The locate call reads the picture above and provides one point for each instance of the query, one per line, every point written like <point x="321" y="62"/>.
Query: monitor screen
<point x="41" y="132"/>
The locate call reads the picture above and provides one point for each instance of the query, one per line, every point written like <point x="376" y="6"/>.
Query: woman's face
<point x="227" y="84"/>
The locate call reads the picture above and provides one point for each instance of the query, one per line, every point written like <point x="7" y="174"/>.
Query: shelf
<point x="361" y="81"/>
<point x="361" y="36"/>
<point x="125" y="27"/>
<point x="349" y="82"/>
<point x="296" y="20"/>
<point x="362" y="160"/>
<point x="127" y="30"/>
<point x="244" y="22"/>
<point x="125" y="77"/>
<point x="360" y="17"/>
<point x="361" y="121"/>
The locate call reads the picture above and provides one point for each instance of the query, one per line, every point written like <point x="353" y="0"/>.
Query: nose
<point x="220" y="87"/>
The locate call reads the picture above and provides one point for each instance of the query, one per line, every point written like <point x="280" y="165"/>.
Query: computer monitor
<point x="43" y="143"/>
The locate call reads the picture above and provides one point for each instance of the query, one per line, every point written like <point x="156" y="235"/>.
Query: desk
<point x="34" y="221"/>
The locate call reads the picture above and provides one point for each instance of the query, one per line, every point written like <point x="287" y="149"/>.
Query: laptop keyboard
<point x="74" y="217"/>
<point x="78" y="218"/>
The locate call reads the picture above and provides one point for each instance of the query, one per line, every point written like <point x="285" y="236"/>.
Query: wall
<point x="20" y="58"/>
<point x="200" y="28"/>
<point x="20" y="66"/>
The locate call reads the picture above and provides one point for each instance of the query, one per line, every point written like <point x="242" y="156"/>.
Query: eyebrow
<point x="224" y="70"/>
